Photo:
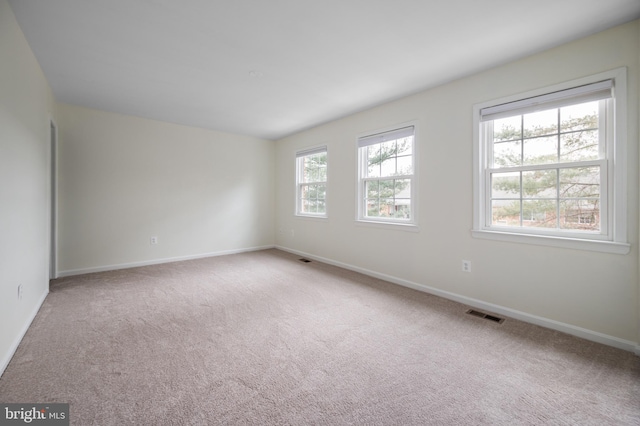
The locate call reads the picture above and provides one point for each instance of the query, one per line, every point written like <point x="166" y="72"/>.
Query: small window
<point x="386" y="182"/>
<point x="546" y="165"/>
<point x="311" y="182"/>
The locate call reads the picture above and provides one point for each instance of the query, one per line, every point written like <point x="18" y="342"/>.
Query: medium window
<point x="386" y="176"/>
<point x="311" y="182"/>
<point x="547" y="165"/>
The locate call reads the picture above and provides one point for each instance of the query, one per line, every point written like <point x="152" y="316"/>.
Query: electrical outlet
<point x="293" y="234"/>
<point x="154" y="240"/>
<point x="19" y="291"/>
<point x="466" y="266"/>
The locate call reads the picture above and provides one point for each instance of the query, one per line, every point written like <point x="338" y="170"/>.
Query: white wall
<point x="124" y="179"/>
<point x="25" y="109"/>
<point x="586" y="292"/>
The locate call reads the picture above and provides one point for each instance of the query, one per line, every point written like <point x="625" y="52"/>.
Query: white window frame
<point x="376" y="137"/>
<point x="300" y="155"/>
<point x="613" y="235"/>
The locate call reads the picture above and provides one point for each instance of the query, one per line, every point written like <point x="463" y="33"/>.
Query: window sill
<point x="312" y="217"/>
<point x="554" y="241"/>
<point x="409" y="227"/>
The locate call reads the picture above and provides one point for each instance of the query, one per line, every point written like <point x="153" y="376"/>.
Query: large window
<point x="311" y="182"/>
<point x="386" y="182"/>
<point x="547" y="165"/>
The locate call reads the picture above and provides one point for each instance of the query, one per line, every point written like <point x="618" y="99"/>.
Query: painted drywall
<point x="26" y="104"/>
<point x="582" y="289"/>
<point x="124" y="179"/>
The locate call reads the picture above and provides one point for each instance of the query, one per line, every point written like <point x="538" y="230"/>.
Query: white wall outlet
<point x="466" y="266"/>
<point x="20" y="291"/>
<point x="154" y="240"/>
<point x="293" y="234"/>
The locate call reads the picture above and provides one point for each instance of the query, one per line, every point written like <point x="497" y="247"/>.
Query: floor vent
<point x="485" y="316"/>
<point x="304" y="260"/>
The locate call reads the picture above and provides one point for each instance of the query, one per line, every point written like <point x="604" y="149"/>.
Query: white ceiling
<point x="273" y="68"/>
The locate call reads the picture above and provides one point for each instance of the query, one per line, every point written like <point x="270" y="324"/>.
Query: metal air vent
<point x="485" y="316"/>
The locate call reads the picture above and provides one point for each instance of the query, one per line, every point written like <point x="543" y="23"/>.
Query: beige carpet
<point x="261" y="338"/>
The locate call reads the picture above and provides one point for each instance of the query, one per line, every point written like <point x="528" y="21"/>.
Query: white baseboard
<point x="14" y="346"/>
<point x="591" y="335"/>
<point x="82" y="271"/>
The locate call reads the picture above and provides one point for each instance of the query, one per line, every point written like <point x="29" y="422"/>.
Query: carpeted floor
<point x="261" y="338"/>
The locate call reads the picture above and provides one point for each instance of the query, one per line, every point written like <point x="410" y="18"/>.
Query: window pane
<point x="505" y="185"/>
<point x="310" y="175"/>
<point x="315" y="160"/>
<point x="505" y="212"/>
<point x="321" y="191"/>
<point x="381" y="208"/>
<point x="373" y="161"/>
<point x="539" y="213"/>
<point x="322" y="174"/>
<point x="388" y="149"/>
<point x="387" y="188"/>
<point x="580" y="182"/>
<point x="579" y="117"/>
<point x="388" y="167"/>
<point x="372" y="189"/>
<point x="314" y="167"/>
<point x="321" y="207"/>
<point x="311" y="165"/>
<point x="387" y="208"/>
<point x="313" y="192"/>
<point x="405" y="165"/>
<point x="304" y="191"/>
<point x="311" y="178"/>
<point x="583" y="215"/>
<point x="507" y="154"/>
<point x="405" y="146"/>
<point x="373" y="151"/>
<point x="579" y="146"/>
<point x="402" y="208"/>
<point x="542" y="150"/>
<point x="402" y="188"/>
<point x="308" y="161"/>
<point x="540" y="184"/>
<point x="373" y="208"/>
<point x="507" y="129"/>
<point x="540" y="123"/>
<point x="389" y="198"/>
<point x="373" y="170"/>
